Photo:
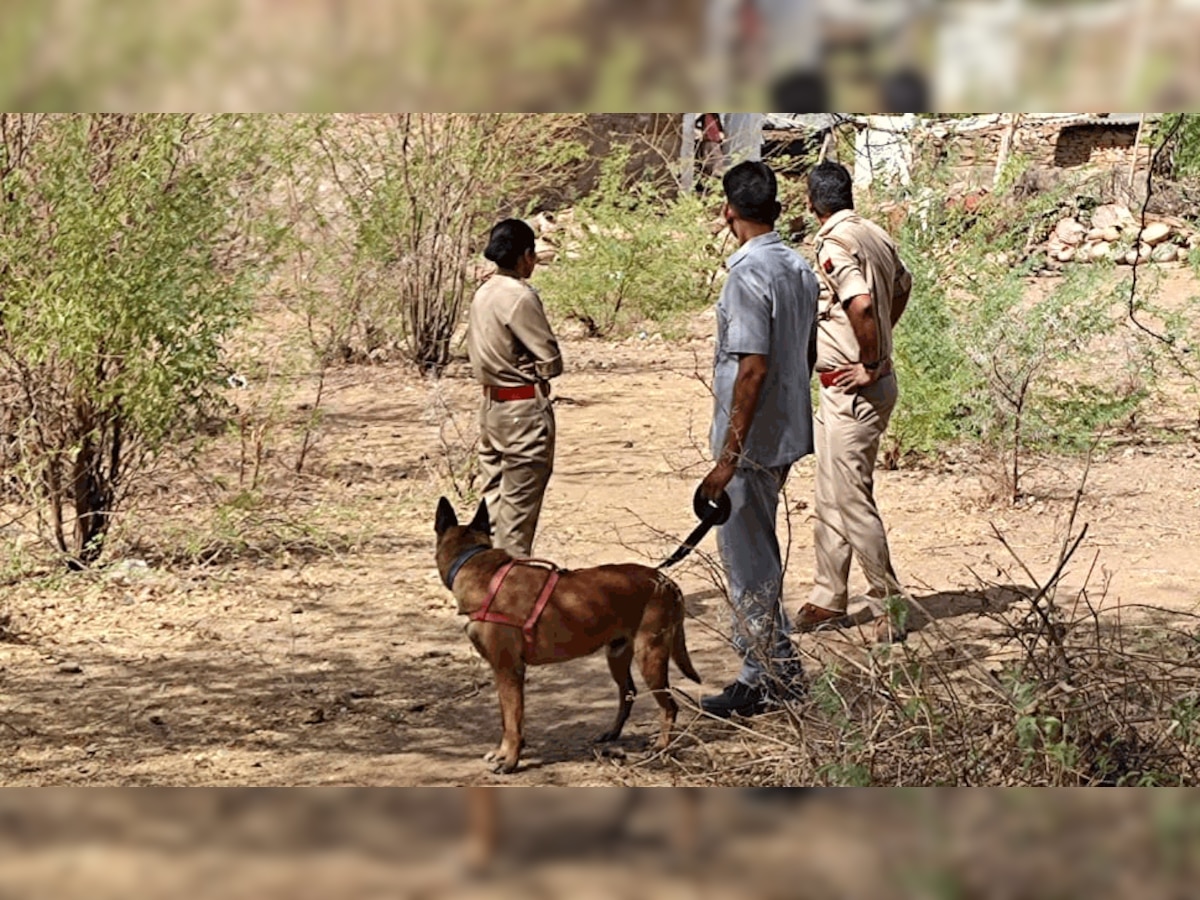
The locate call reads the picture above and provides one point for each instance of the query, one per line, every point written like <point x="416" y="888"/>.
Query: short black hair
<point x="830" y="188"/>
<point x="509" y="241"/>
<point x="750" y="189"/>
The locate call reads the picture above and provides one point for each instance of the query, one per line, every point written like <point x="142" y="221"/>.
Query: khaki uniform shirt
<point x="509" y="340"/>
<point x="855" y="256"/>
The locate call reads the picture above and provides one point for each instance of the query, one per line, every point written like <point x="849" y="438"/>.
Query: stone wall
<point x="973" y="152"/>
<point x="1095" y="145"/>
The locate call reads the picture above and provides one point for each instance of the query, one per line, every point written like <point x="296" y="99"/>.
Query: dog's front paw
<point x="502" y="765"/>
<point x="500" y="762"/>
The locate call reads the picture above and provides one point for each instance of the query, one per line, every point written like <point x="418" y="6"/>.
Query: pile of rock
<point x="555" y="234"/>
<point x="1113" y="233"/>
<point x="552" y="231"/>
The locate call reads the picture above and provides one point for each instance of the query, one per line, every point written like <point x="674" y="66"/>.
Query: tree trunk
<point x="94" y="492"/>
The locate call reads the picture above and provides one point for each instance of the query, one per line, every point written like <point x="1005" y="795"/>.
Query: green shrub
<point x="130" y="250"/>
<point x="1038" y="388"/>
<point x="639" y="256"/>
<point x="392" y="212"/>
<point x="977" y="358"/>
<point x="935" y="377"/>
<point x="1181" y="131"/>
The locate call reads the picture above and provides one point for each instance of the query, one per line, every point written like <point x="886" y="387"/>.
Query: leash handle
<point x="710" y="513"/>
<point x="687" y="546"/>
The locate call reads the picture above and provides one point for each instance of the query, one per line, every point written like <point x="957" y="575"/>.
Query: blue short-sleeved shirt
<point x="768" y="306"/>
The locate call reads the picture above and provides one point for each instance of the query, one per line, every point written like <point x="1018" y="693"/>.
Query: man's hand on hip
<point x="855" y="376"/>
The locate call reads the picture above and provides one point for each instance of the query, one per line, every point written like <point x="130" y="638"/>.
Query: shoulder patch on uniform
<point x="827" y="266"/>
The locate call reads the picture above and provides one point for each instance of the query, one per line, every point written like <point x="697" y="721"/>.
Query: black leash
<point x="710" y="513"/>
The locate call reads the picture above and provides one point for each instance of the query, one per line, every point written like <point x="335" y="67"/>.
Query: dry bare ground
<point x="309" y="641"/>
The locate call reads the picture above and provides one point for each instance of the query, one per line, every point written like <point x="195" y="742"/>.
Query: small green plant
<point x="1185" y="720"/>
<point x="841" y="774"/>
<point x="824" y="693"/>
<point x="1043" y="740"/>
<point x="15" y="561"/>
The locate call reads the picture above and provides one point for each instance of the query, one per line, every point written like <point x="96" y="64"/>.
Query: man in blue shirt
<point x="762" y="423"/>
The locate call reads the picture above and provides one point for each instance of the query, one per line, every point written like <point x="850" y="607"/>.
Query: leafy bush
<point x="932" y="367"/>
<point x="393" y="211"/>
<point x="128" y="255"/>
<point x="639" y="255"/>
<point x="1181" y="131"/>
<point x="935" y="376"/>
<point x="977" y="358"/>
<point x="1037" y="388"/>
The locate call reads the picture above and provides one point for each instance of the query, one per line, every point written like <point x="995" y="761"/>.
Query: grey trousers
<point x="753" y="565"/>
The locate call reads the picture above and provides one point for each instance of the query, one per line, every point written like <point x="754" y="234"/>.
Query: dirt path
<point x="349" y="666"/>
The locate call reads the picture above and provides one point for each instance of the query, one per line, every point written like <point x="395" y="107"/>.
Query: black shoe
<point x="789" y="686"/>
<point x="737" y="698"/>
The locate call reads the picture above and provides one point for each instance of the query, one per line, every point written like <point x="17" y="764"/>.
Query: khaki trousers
<point x="516" y="457"/>
<point x="848" y="428"/>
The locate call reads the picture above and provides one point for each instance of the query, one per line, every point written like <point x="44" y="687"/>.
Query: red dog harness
<point x="485" y="614"/>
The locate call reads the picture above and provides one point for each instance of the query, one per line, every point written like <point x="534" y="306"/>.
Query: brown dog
<point x="631" y="610"/>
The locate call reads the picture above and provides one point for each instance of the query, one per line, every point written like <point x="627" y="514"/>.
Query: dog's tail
<point x="679" y="653"/>
<point x="679" y="650"/>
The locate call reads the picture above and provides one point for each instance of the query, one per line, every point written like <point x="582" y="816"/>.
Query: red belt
<point x="502" y="394"/>
<point x="485" y="614"/>
<point x="828" y="378"/>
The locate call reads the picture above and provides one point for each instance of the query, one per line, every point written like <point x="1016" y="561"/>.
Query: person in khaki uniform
<point x="514" y="354"/>
<point x="868" y="288"/>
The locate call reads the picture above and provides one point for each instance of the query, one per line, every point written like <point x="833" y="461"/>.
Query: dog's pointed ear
<point x="445" y="516"/>
<point x="481" y="523"/>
